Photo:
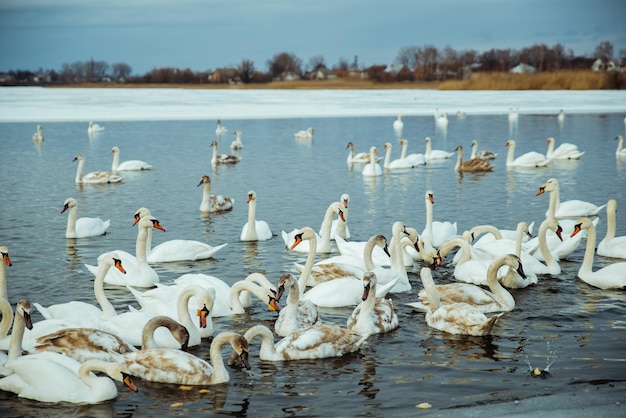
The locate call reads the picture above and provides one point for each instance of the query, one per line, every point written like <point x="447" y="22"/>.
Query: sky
<point x="206" y="34"/>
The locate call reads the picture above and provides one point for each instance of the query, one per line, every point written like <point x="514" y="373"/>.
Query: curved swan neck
<point x="459" y="160"/>
<point x="464" y="246"/>
<point x="368" y="251"/>
<point x="387" y="156"/>
<point x="501" y="294"/>
<point x="510" y="156"/>
<point x="220" y="374"/>
<point x="7" y="317"/>
<point x="294" y="294"/>
<point x="268" y="349"/>
<point x="430" y="288"/>
<point x="308" y="266"/>
<point x="543" y="246"/>
<point x="237" y="288"/>
<point x="108" y="311"/>
<point x="85" y="369"/>
<point x="521" y="227"/>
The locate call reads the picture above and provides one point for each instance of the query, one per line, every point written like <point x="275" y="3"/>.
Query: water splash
<point x="550" y="359"/>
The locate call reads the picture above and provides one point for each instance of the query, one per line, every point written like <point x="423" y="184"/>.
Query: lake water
<point x="579" y="329"/>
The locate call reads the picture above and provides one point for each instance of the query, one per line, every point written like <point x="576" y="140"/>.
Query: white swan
<point x="529" y="159"/>
<point x="483" y="154"/>
<point x="82" y="313"/>
<point x="565" y="151"/>
<point x="442" y="121"/>
<point x="215" y="202"/>
<point x="472" y="165"/>
<point x="175" y="249"/>
<point x="130" y="165"/>
<point x="179" y="367"/>
<point x="94" y="127"/>
<point x="6" y="261"/>
<point x="82" y="227"/>
<point x="334" y="293"/>
<point x="620" y="151"/>
<point x="304" y="135"/>
<point x="237" y="144"/>
<point x="435" y="232"/>
<point x="455" y="318"/>
<point x="372" y="169"/>
<point x="139" y="273"/>
<point x="398" y="125"/>
<point x="38" y="136"/>
<point x="357" y="158"/>
<point x="414" y="159"/>
<point x="296" y="314"/>
<point x="612" y="276"/>
<point x="373" y="315"/>
<point x="496" y="299"/>
<point x="340" y="227"/>
<point x="254" y="230"/>
<point x="561" y="117"/>
<point x="94" y="177"/>
<point x="435" y="154"/>
<point x="52" y="377"/>
<point x="229" y="300"/>
<point x="222" y="159"/>
<point x="612" y="246"/>
<point x="513" y="115"/>
<point x="220" y="129"/>
<point x="323" y="341"/>
<point x="397" y="164"/>
<point x="567" y="209"/>
<point x="323" y="240"/>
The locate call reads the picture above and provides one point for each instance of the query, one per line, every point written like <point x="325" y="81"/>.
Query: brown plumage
<point x="472" y="165"/>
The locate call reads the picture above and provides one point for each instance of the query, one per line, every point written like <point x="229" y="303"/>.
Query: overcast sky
<point x="205" y="34"/>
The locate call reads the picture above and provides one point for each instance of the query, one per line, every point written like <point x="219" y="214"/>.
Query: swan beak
<point x="137" y="218"/>
<point x="157" y="225"/>
<point x="6" y="259"/>
<point x="203" y="314"/>
<point x="431" y="198"/>
<point x="386" y="250"/>
<point x="343" y="218"/>
<point x="281" y="290"/>
<point x="417" y="245"/>
<point x="297" y="240"/>
<point x="128" y="381"/>
<point x="273" y="305"/>
<point x="28" y="323"/>
<point x="249" y="198"/>
<point x="542" y="190"/>
<point x="244" y="358"/>
<point x="577" y="229"/>
<point x="118" y="265"/>
<point x="366" y="291"/>
<point x="559" y="232"/>
<point x="520" y="271"/>
<point x="65" y="207"/>
<point x="438" y="261"/>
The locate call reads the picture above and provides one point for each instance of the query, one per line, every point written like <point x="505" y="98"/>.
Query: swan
<point x="129" y="325"/>
<point x="484" y="154"/>
<point x="254" y="230"/>
<point x="455" y="318"/>
<point x="442" y="120"/>
<point x="222" y="159"/>
<point x="179" y="367"/>
<point x="496" y="299"/>
<point x="372" y="169"/>
<point x="612" y="276"/>
<point x="304" y="135"/>
<point x="139" y="272"/>
<point x="472" y="165"/>
<point x="561" y="117"/>
<point x="94" y="127"/>
<point x="414" y="159"/>
<point x="82" y="313"/>
<point x="620" y="151"/>
<point x="84" y="344"/>
<point x="323" y="240"/>
<point x="340" y="227"/>
<point x="130" y="165"/>
<point x="398" y="125"/>
<point x="296" y="314"/>
<point x="5" y="325"/>
<point x="611" y="246"/>
<point x="95" y="177"/>
<point x="513" y="115"/>
<point x="175" y="249"/>
<point x="357" y="158"/>
<point x="323" y="341"/>
<point x="52" y="377"/>
<point x="435" y="232"/>
<point x="38" y="136"/>
<point x="229" y="300"/>
<point x="373" y="315"/>
<point x="568" y="209"/>
<point x="335" y="293"/>
<point x="82" y="227"/>
<point x="398" y="164"/>
<point x="220" y="130"/>
<point x="6" y="261"/>
<point x="435" y="154"/>
<point x="565" y="151"/>
<point x="215" y="202"/>
<point x="530" y="159"/>
<point x="237" y="144"/>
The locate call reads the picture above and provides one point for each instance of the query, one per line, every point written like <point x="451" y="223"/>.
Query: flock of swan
<point x="55" y="360"/>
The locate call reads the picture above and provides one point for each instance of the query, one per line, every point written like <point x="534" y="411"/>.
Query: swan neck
<point x="431" y="291"/>
<point x="308" y="266"/>
<point x="220" y="374"/>
<point x="84" y="371"/>
<point x="543" y="246"/>
<point x="268" y="350"/>
<point x="368" y="251"/>
<point x="294" y="294"/>
<point x="251" y="231"/>
<point x="116" y="161"/>
<point x="387" y="158"/>
<point x="79" y="171"/>
<point x="7" y="317"/>
<point x="510" y="155"/>
<point x="182" y="311"/>
<point x="108" y="311"/>
<point x="590" y="250"/>
<point x="237" y="288"/>
<point x="464" y="246"/>
<point x="3" y="282"/>
<point x="15" y="344"/>
<point x="403" y="154"/>
<point x="459" y="160"/>
<point x="70" y="231"/>
<point x="610" y="224"/>
<point x="496" y="288"/>
<point x="141" y="244"/>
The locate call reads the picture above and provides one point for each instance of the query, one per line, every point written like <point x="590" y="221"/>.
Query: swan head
<point x="404" y="142"/>
<point x="4" y="250"/>
<point x="374" y="150"/>
<point x="140" y="213"/>
<point x="23" y="309"/>
<point x="350" y="145"/>
<point x="430" y="197"/>
<point x="204" y="180"/>
<point x="369" y="283"/>
<point x="427" y="140"/>
<point x="70" y="202"/>
<point x="550" y="141"/>
<point x="78" y="157"/>
<point x="303" y="234"/>
<point x="117" y="371"/>
<point x="345" y="199"/>
<point x="150" y="222"/>
<point x="214" y="144"/>
<point x="251" y="195"/>
<point x="115" y="150"/>
<point x="510" y="143"/>
<point x="515" y="263"/>
<point x="285" y="281"/>
<point x="459" y="148"/>
<point x="582" y="223"/>
<point x="387" y="145"/>
<point x="112" y="259"/>
<point x="619" y="137"/>
<point x="549" y="186"/>
<point x="240" y="345"/>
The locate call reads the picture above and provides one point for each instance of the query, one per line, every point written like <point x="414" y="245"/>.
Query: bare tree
<point x="343" y="64"/>
<point x="120" y="71"/>
<point x="317" y="62"/>
<point x="246" y="70"/>
<point x="284" y="63"/>
<point x="604" y="50"/>
<point x="406" y="56"/>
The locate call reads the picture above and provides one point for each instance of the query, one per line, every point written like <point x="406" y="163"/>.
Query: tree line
<point x="425" y="63"/>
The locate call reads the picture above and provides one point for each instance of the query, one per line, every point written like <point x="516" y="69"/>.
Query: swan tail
<point x="43" y="311"/>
